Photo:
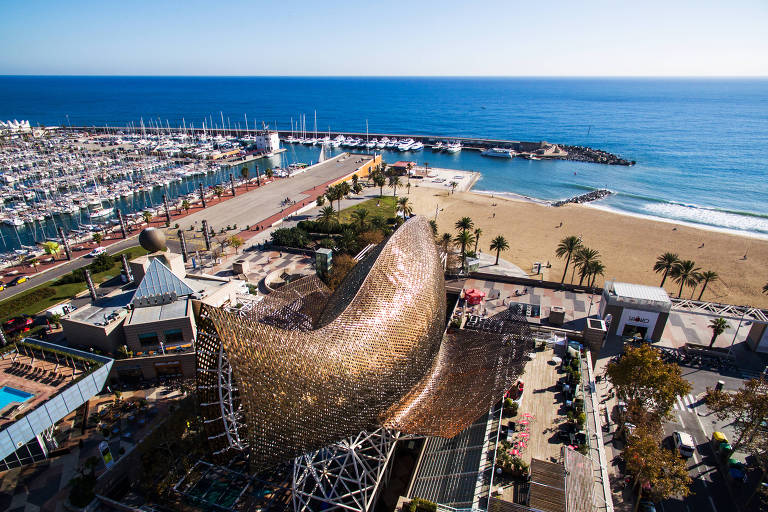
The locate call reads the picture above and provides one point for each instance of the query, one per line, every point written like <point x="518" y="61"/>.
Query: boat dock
<point x="537" y="149"/>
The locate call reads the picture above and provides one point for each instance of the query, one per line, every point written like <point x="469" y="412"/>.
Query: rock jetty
<point x="598" y="156"/>
<point x="585" y="198"/>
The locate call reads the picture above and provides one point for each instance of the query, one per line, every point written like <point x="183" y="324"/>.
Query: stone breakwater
<point x="598" y="156"/>
<point x="585" y="198"/>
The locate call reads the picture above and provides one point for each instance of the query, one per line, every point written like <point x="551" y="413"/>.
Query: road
<point x="709" y="491"/>
<point x="690" y="414"/>
<point x="65" y="268"/>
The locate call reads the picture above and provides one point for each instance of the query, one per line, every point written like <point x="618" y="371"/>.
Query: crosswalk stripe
<point x="680" y="403"/>
<point x="675" y="406"/>
<point x="686" y="400"/>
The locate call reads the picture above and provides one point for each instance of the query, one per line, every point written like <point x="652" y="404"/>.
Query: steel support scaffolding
<point x="345" y="475"/>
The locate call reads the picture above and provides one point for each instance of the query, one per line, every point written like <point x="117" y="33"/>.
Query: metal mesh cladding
<point x="307" y="379"/>
<point x="313" y="367"/>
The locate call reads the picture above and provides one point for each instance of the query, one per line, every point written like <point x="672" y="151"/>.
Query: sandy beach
<point x="628" y="245"/>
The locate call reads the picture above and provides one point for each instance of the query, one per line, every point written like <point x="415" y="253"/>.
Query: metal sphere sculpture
<point x="152" y="239"/>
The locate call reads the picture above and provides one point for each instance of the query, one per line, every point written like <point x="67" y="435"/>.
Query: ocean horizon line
<point x="394" y="77"/>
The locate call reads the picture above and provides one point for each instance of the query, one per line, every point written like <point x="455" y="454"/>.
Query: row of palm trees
<point x="467" y="235"/>
<point x="683" y="272"/>
<point x="585" y="259"/>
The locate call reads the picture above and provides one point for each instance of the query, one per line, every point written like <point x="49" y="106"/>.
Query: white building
<point x="267" y="141"/>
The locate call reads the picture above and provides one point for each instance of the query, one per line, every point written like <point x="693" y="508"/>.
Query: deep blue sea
<point x="700" y="144"/>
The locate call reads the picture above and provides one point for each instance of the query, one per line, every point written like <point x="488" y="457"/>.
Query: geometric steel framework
<point x="715" y="309"/>
<point x="306" y="368"/>
<point x="344" y="475"/>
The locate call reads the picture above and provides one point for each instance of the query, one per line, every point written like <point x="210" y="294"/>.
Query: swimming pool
<point x="8" y="395"/>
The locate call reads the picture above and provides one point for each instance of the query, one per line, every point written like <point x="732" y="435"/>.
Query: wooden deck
<point x="542" y="408"/>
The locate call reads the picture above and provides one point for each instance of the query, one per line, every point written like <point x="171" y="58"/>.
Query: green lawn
<point x="387" y="208"/>
<point x="62" y="292"/>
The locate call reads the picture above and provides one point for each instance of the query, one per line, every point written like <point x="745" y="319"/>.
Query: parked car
<point x="18" y="280"/>
<point x="18" y="324"/>
<point x="684" y="443"/>
<point x="96" y="252"/>
<point x="2" y="286"/>
<point x="737" y="470"/>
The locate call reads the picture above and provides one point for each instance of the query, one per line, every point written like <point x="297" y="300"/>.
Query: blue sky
<point x="297" y="37"/>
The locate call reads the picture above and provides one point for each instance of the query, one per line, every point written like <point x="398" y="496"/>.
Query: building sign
<point x="638" y="318"/>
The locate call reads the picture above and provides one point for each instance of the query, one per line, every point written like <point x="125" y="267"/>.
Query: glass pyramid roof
<point x="159" y="280"/>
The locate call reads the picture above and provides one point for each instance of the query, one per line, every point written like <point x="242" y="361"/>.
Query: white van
<point x="684" y="443"/>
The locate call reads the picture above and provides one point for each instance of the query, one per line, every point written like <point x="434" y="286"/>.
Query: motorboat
<point x="437" y="146"/>
<point x="417" y="146"/>
<point x="101" y="213"/>
<point x="405" y="145"/>
<point x="499" y="153"/>
<point x="453" y="147"/>
<point x="13" y="221"/>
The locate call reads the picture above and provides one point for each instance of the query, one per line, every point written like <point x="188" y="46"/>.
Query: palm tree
<point x="269" y="173"/>
<point x="463" y="239"/>
<point x="345" y="188"/>
<point x="185" y="206"/>
<point x="708" y="276"/>
<point x="584" y="258"/>
<point x="408" y="186"/>
<point x="445" y="241"/>
<point x="596" y="268"/>
<point x="478" y="232"/>
<point x="566" y="247"/>
<point x="433" y="227"/>
<point x="394" y="182"/>
<point x="244" y="174"/>
<point x="718" y="326"/>
<point x="97" y="238"/>
<point x="360" y="216"/>
<point x="334" y="194"/>
<point x="147" y="215"/>
<point x="453" y="186"/>
<point x="348" y="241"/>
<point x="340" y="194"/>
<point x="378" y="222"/>
<point x="686" y="273"/>
<point x="499" y="244"/>
<point x="258" y="175"/>
<point x="404" y="207"/>
<point x="327" y="216"/>
<point x="379" y="180"/>
<point x="464" y="224"/>
<point x="665" y="263"/>
<point x="218" y="190"/>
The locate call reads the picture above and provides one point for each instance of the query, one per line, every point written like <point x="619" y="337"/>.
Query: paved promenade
<point x="263" y="205"/>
